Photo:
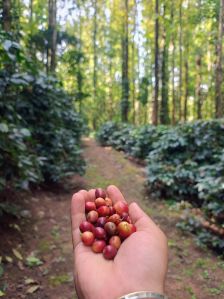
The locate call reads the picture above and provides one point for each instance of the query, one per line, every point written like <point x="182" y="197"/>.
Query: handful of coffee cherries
<point x="106" y="226"/>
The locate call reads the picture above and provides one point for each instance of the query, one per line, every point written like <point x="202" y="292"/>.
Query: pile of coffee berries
<point x="106" y="226"/>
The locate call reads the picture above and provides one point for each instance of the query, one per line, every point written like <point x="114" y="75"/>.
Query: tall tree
<point x="219" y="64"/>
<point x="52" y="27"/>
<point x="198" y="87"/>
<point x="155" y="107"/>
<point x="186" y="95"/>
<point x="95" y="51"/>
<point x="133" y="66"/>
<point x="186" y="64"/>
<point x="125" y="59"/>
<point x="181" y="59"/>
<point x="31" y="12"/>
<point x="173" y="65"/>
<point x="164" y="109"/>
<point x="79" y="75"/>
<point x="6" y="15"/>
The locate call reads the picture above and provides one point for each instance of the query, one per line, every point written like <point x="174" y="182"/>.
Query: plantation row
<point x="185" y="162"/>
<point x="39" y="130"/>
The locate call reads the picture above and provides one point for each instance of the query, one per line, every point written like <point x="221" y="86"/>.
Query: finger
<point x="91" y="193"/>
<point x="115" y="194"/>
<point x="78" y="214"/>
<point x="138" y="215"/>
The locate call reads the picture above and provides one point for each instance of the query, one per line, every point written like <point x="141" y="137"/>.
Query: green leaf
<point x="7" y="44"/>
<point x="25" y="132"/>
<point x="4" y="128"/>
<point x="33" y="261"/>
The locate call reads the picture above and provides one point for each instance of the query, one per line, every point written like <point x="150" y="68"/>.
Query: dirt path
<point x="44" y="231"/>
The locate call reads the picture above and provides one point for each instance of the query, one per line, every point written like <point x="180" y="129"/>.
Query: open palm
<point x="140" y="264"/>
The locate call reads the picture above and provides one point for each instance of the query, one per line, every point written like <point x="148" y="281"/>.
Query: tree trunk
<point x="164" y="109"/>
<point x="198" y="88"/>
<point x="181" y="60"/>
<point x="173" y="67"/>
<point x="6" y="15"/>
<point x="95" y="51"/>
<point x="186" y="65"/>
<point x="52" y="26"/>
<point x="79" y="70"/>
<point x="133" y="64"/>
<point x="156" y="92"/>
<point x="110" y="99"/>
<point x="31" y="12"/>
<point x="125" y="78"/>
<point x="219" y="66"/>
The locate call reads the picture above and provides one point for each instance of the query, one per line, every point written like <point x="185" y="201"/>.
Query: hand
<point x="140" y="264"/>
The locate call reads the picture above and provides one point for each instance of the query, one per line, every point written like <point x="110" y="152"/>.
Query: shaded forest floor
<point x="44" y="231"/>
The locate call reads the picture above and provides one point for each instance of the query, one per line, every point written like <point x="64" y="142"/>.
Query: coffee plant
<point x="185" y="162"/>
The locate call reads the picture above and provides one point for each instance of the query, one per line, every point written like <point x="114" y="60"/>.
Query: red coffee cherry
<point x="99" y="192"/>
<point x="98" y="246"/>
<point x="88" y="238"/>
<point x="109" y="252"/>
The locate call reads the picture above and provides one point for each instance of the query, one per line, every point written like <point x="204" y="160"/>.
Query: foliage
<point x="185" y="162"/>
<point x="33" y="261"/>
<point x="105" y="132"/>
<point x="39" y="129"/>
<point x="135" y="141"/>
<point x="203" y="236"/>
<point x="142" y="139"/>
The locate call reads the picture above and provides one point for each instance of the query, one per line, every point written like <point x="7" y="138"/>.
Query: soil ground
<point x="43" y="231"/>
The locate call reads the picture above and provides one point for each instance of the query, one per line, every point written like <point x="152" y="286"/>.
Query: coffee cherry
<point x="106" y="225"/>
<point x="103" y="211"/>
<point x="124" y="229"/>
<point x="109" y="252"/>
<point x="98" y="246"/>
<point x="110" y="228"/>
<point x="100" y="202"/>
<point x="99" y="192"/>
<point x="90" y="206"/>
<point x="108" y="201"/>
<point x="112" y="210"/>
<point x="92" y="216"/>
<point x="86" y="226"/>
<point x="101" y="221"/>
<point x="115" y="241"/>
<point x="88" y="238"/>
<point x="121" y="207"/>
<point x="115" y="218"/>
<point x="124" y="216"/>
<point x="100" y="233"/>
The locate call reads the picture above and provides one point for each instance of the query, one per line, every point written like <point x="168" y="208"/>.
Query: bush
<point x="135" y="141"/>
<point x="141" y="140"/>
<point x="58" y="131"/>
<point x="105" y="132"/>
<point x="114" y="134"/>
<point x="39" y="129"/>
<point x="185" y="162"/>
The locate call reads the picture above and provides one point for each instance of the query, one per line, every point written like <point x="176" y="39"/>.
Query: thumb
<point x="139" y="217"/>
